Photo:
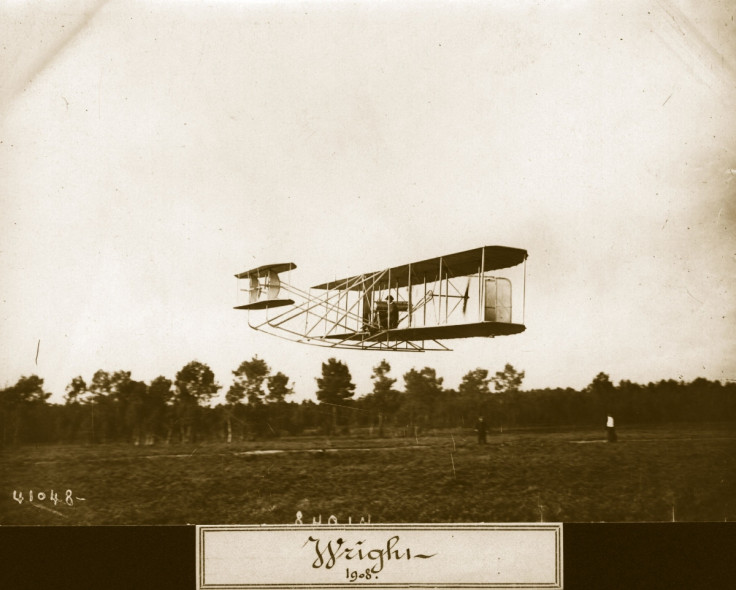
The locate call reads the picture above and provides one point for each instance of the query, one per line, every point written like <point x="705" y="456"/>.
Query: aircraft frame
<point x="412" y="308"/>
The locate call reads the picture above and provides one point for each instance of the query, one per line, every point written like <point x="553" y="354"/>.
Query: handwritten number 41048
<point x="53" y="497"/>
<point x="354" y="576"/>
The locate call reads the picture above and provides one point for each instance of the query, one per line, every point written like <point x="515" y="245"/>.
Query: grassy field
<point x="685" y="473"/>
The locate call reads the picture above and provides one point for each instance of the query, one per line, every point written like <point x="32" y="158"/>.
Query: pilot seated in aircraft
<point x="393" y="312"/>
<point x="386" y="314"/>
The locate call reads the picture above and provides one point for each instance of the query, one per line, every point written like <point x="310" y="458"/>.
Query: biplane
<point x="412" y="307"/>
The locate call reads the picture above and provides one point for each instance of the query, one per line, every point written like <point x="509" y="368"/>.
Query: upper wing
<point x="460" y="264"/>
<point x="262" y="271"/>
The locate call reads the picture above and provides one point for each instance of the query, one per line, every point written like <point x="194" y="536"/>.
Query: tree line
<point x="114" y="407"/>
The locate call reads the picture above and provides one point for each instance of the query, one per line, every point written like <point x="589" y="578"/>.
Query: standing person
<point x="610" y="430"/>
<point x="480" y="428"/>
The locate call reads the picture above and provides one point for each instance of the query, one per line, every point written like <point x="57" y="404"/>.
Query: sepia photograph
<point x="331" y="263"/>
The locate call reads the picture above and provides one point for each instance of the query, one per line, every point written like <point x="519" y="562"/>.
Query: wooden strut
<point x="409" y="297"/>
<point x="482" y="284"/>
<point x="388" y="320"/>
<point x="424" y="307"/>
<point x="439" y="279"/>
<point x="523" y="306"/>
<point x="480" y="302"/>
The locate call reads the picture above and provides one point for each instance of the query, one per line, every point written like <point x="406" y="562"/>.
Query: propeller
<point x="466" y="296"/>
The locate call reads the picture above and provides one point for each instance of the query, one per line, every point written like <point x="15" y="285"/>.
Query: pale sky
<point x="151" y="150"/>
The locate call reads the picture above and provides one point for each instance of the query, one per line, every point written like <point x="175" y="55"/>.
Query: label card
<point x="380" y="556"/>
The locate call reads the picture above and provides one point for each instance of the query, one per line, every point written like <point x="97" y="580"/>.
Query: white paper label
<point x="380" y="556"/>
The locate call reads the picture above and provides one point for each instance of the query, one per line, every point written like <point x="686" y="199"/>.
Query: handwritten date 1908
<point x="354" y="576"/>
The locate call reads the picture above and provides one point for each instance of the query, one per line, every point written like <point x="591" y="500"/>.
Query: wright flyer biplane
<point x="412" y="307"/>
